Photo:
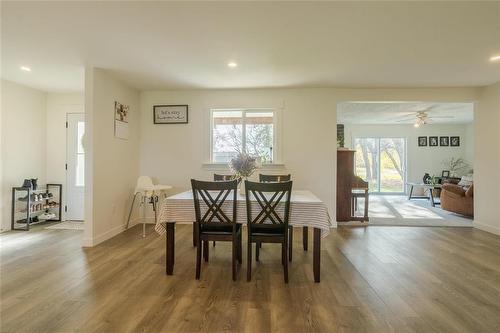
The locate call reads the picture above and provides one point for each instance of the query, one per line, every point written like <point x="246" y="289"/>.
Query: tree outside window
<point x="381" y="162"/>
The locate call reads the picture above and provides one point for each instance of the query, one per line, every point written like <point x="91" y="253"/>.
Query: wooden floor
<point x="375" y="279"/>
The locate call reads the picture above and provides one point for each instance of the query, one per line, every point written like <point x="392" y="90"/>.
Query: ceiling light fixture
<point x="419" y="122"/>
<point x="232" y="64"/>
<point x="25" y="68"/>
<point x="495" y="58"/>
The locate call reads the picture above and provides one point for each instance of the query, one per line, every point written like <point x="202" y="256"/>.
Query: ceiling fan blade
<point x="407" y="119"/>
<point x="408" y="114"/>
<point x="441" y="117"/>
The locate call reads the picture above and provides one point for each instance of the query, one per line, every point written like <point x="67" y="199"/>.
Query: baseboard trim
<point x="136" y="221"/>
<point x="87" y="242"/>
<point x="486" y="227"/>
<point x="107" y="235"/>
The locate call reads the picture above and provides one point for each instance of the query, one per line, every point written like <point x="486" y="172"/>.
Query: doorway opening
<point x="412" y="158"/>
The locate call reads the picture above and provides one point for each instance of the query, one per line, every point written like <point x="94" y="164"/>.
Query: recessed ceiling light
<point x="232" y="64"/>
<point x="25" y="68"/>
<point x="495" y="58"/>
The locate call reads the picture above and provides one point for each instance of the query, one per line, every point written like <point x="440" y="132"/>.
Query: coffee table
<point x="426" y="187"/>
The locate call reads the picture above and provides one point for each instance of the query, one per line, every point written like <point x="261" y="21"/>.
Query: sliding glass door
<point x="382" y="163"/>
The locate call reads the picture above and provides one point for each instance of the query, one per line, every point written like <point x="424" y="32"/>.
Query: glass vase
<point x="242" y="186"/>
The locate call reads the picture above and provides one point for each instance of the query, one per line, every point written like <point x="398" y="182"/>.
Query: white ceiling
<point x="165" y="45"/>
<point x="378" y="113"/>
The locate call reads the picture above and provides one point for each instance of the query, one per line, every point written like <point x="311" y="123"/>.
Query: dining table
<point x="306" y="210"/>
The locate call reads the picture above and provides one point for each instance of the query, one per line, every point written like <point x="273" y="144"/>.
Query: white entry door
<point x="75" y="157"/>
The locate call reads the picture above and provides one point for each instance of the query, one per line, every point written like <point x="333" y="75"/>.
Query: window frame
<point x="276" y="158"/>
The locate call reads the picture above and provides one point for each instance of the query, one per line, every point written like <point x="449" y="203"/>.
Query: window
<point x="243" y="130"/>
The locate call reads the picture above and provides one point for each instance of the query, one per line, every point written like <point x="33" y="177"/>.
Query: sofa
<point x="458" y="199"/>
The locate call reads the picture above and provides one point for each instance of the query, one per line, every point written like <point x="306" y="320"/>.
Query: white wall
<point x="487" y="156"/>
<point x="112" y="164"/>
<point x="469" y="142"/>
<point x="23" y="140"/>
<point x="58" y="105"/>
<point x="1" y="159"/>
<point x="175" y="153"/>
<point x="419" y="159"/>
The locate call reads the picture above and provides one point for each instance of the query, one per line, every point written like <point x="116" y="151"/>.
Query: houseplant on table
<point x="456" y="166"/>
<point x="243" y="166"/>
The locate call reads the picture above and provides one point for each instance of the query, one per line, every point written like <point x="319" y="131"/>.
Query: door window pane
<point x="392" y="152"/>
<point x="80" y="155"/>
<point x="80" y="170"/>
<point x="381" y="162"/>
<point x="80" y="131"/>
<point x="367" y="161"/>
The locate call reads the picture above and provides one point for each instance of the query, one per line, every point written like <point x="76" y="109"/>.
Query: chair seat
<point x="267" y="229"/>
<point x="267" y="238"/>
<point x="214" y="229"/>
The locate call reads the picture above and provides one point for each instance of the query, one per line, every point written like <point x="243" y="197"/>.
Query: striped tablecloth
<point x="305" y="210"/>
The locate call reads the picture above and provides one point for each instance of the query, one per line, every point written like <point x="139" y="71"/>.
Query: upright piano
<point x="349" y="188"/>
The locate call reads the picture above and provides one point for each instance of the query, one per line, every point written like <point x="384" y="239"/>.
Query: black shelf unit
<point x="24" y="212"/>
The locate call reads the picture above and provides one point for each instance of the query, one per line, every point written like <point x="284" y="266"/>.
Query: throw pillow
<point x="470" y="191"/>
<point x="466" y="181"/>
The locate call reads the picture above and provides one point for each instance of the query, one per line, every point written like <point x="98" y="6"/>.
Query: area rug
<point x="67" y="225"/>
<point x="393" y="210"/>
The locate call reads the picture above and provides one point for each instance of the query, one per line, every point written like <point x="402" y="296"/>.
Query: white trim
<point x="108" y="234"/>
<point x="88" y="239"/>
<point x="90" y="242"/>
<point x="138" y="220"/>
<point x="486" y="227"/>
<point x="87" y="242"/>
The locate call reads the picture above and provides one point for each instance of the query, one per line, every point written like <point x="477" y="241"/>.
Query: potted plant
<point x="456" y="166"/>
<point x="243" y="166"/>
<point x="436" y="192"/>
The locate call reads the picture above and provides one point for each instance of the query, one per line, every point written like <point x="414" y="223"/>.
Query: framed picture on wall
<point x="433" y="141"/>
<point x="422" y="141"/>
<point x="444" y="141"/>
<point x="170" y="114"/>
<point x="455" y="141"/>
<point x="121" y="112"/>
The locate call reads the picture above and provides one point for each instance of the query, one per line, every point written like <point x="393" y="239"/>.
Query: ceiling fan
<point x="422" y="117"/>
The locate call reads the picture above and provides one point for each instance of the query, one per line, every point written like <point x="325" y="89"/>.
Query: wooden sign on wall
<point x="170" y="114"/>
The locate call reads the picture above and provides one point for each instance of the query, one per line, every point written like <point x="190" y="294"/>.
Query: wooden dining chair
<point x="305" y="232"/>
<point x="274" y="178"/>
<point x="216" y="218"/>
<point x="269" y="222"/>
<point x="222" y="178"/>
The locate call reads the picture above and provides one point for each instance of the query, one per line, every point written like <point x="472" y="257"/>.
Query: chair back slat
<point x="274" y="178"/>
<point x="215" y="197"/>
<point x="272" y="201"/>
<point x="222" y="178"/>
